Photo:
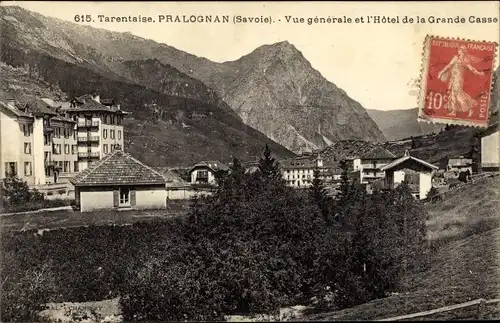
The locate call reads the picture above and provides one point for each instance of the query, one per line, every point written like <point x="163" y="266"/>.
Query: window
<point x="27" y="129"/>
<point x="67" y="133"/>
<point x="58" y="132"/>
<point x="202" y="176"/>
<point x="74" y="149"/>
<point x="46" y="139"/>
<point x="66" y="149"/>
<point x="75" y="167"/>
<point x="10" y="169"/>
<point x="124" y="196"/>
<point x="105" y="148"/>
<point x="66" y="167"/>
<point x="112" y="134"/>
<point x="27" y="148"/>
<point x="119" y="134"/>
<point x="27" y="169"/>
<point x="57" y="149"/>
<point x="74" y="134"/>
<point x="105" y="133"/>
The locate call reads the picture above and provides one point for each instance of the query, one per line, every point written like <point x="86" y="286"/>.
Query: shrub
<point x="17" y="192"/>
<point x="252" y="246"/>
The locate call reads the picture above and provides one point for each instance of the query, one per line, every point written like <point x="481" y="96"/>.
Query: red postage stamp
<point x="456" y="81"/>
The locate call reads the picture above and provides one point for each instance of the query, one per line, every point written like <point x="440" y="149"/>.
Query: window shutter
<point x="116" y="197"/>
<point x="132" y="196"/>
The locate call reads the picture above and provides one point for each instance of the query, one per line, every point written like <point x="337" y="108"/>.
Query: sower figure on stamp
<point x="453" y="73"/>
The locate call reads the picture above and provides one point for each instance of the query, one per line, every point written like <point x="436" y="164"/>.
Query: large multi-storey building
<point x="299" y="172"/>
<point x="99" y="127"/>
<point x="37" y="144"/>
<point x="44" y="142"/>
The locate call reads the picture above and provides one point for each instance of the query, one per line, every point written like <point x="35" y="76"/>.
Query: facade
<point x="413" y="171"/>
<point x="458" y="165"/>
<point x="119" y="181"/>
<point x="299" y="172"/>
<point x="205" y="172"/>
<point x="490" y="148"/>
<point x="99" y="127"/>
<point x="38" y="145"/>
<point x="368" y="165"/>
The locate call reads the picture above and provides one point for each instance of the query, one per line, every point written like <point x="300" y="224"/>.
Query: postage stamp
<point x="456" y="81"/>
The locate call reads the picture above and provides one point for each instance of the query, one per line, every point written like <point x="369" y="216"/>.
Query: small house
<point x="412" y="171"/>
<point x="459" y="165"/>
<point x="119" y="181"/>
<point x="205" y="172"/>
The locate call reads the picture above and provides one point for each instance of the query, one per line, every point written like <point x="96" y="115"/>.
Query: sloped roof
<point x="346" y="149"/>
<point x="14" y="110"/>
<point x="118" y="168"/>
<point x="213" y="165"/>
<point x="378" y="153"/>
<point x="88" y="103"/>
<point x="460" y="161"/>
<point x="38" y="106"/>
<point x="107" y="101"/>
<point x="84" y="98"/>
<point x="405" y="158"/>
<point x="56" y="104"/>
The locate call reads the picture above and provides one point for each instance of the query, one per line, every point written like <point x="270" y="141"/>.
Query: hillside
<point x="463" y="267"/>
<point x="274" y="88"/>
<point x="399" y="124"/>
<point x="172" y="131"/>
<point x="178" y="121"/>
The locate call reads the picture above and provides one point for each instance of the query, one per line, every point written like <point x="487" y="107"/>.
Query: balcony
<point x="88" y="155"/>
<point x="88" y="139"/>
<point x="88" y="123"/>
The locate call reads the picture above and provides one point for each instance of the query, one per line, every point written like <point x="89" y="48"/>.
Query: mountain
<point x="400" y="124"/>
<point x="276" y="90"/>
<point x="175" y="119"/>
<point x="273" y="89"/>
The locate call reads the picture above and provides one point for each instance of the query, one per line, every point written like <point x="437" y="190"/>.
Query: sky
<point x="376" y="64"/>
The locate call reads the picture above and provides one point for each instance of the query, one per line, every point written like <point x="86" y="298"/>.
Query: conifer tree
<point x="345" y="185"/>
<point x="317" y="193"/>
<point x="268" y="167"/>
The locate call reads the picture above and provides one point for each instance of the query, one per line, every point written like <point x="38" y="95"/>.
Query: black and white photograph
<point x="249" y="161"/>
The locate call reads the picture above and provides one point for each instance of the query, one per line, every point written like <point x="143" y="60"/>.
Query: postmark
<point x="456" y="81"/>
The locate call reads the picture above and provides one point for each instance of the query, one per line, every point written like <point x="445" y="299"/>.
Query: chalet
<point x="460" y="164"/>
<point x="205" y="172"/>
<point x="412" y="171"/>
<point x="119" y="181"/>
<point x="369" y="164"/>
<point x="490" y="148"/>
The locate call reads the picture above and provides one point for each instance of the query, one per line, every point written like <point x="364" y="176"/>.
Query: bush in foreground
<point x="253" y="246"/>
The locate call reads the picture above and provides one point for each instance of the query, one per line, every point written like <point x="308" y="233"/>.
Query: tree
<point x="317" y="194"/>
<point x="16" y="192"/>
<point x="345" y="183"/>
<point x="268" y="167"/>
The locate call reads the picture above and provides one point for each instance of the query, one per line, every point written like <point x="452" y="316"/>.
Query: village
<point x="75" y="151"/>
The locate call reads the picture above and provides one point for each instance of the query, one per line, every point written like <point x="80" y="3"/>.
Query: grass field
<point x="64" y="219"/>
<point x="464" y="232"/>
